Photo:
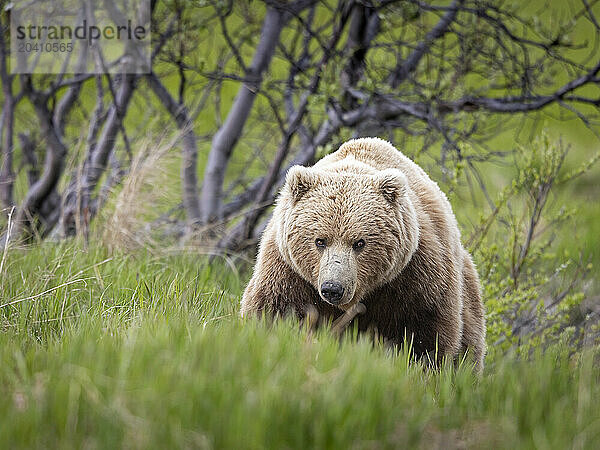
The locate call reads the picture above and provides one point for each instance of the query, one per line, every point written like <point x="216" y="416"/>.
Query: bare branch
<point x="190" y="149"/>
<point x="53" y="164"/>
<point x="406" y="67"/>
<point x="225" y="139"/>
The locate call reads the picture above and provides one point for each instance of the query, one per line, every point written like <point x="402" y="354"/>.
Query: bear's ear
<point x="299" y="181"/>
<point x="392" y="184"/>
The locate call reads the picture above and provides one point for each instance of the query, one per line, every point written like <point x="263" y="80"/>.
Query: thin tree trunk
<point x="189" y="163"/>
<point x="7" y="127"/>
<point x="226" y="138"/>
<point x="53" y="166"/>
<point x="7" y="175"/>
<point x="28" y="150"/>
<point x="109" y="133"/>
<point x="78" y="202"/>
<point x="68" y="100"/>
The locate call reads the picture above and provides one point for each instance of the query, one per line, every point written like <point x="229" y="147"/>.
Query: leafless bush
<point x="308" y="74"/>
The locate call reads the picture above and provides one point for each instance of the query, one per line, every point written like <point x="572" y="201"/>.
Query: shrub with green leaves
<point x="532" y="290"/>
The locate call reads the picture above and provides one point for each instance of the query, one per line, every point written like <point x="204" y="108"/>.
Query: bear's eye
<point x="320" y="242"/>
<point x="358" y="245"/>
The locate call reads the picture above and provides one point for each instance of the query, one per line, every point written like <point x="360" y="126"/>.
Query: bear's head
<point x="346" y="232"/>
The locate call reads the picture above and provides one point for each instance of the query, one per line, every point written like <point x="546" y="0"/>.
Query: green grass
<point x="143" y="351"/>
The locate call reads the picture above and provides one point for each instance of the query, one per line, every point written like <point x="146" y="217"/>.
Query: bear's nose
<point x="332" y="291"/>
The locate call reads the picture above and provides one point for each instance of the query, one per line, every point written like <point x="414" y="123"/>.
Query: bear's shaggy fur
<point x="369" y="222"/>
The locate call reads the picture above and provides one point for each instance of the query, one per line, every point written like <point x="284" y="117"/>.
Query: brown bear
<point x="366" y="224"/>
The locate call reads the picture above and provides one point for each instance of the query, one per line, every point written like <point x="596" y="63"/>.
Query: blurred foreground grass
<point x="143" y="351"/>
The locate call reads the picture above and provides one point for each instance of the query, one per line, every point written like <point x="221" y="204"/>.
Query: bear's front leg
<point x="275" y="288"/>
